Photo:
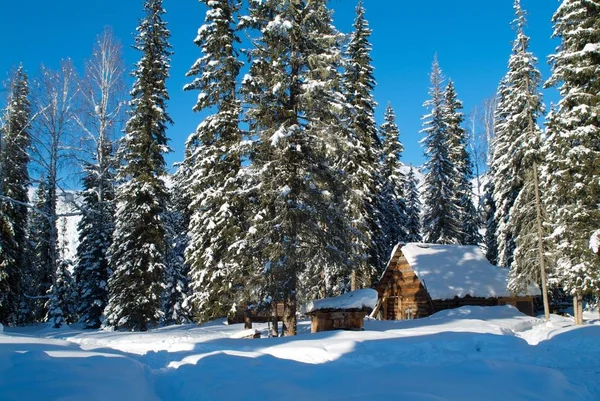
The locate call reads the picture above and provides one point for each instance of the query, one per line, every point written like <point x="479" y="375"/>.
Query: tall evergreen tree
<point x="516" y="149"/>
<point x="359" y="162"/>
<point x="459" y="155"/>
<point x="393" y="184"/>
<point x="573" y="176"/>
<point x="137" y="254"/>
<point x="95" y="232"/>
<point x="505" y="186"/>
<point x="441" y="222"/>
<point x="214" y="183"/>
<point x="40" y="277"/>
<point x="293" y="109"/>
<point x="14" y="183"/>
<point x="413" y="208"/>
<point x="176" y="306"/>
<point x="489" y="208"/>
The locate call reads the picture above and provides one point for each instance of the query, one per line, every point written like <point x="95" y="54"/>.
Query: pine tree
<point x="293" y="105"/>
<point x="505" y="186"/>
<point x="40" y="277"/>
<point x="14" y="183"/>
<point x="214" y="161"/>
<point x="516" y="148"/>
<point x="61" y="297"/>
<point x="137" y="254"/>
<point x="459" y="156"/>
<point x="359" y="162"/>
<point x="413" y="208"/>
<point x="95" y="232"/>
<point x="394" y="182"/>
<point x="440" y="219"/>
<point x="176" y="306"/>
<point x="573" y="175"/>
<point x="489" y="207"/>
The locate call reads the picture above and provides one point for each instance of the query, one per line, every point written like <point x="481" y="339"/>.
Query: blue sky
<point x="471" y="37"/>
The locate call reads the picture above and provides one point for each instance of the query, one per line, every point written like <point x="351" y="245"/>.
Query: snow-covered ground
<point x="471" y="353"/>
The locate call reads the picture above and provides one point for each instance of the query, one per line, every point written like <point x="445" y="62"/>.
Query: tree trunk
<point x="247" y="320"/>
<point x="353" y="283"/>
<point x="538" y="209"/>
<point x="289" y="316"/>
<point x="274" y="320"/>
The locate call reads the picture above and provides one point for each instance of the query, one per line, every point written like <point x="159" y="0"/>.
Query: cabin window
<point x="408" y="314"/>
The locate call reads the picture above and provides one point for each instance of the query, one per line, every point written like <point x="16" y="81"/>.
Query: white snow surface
<point x="466" y="354"/>
<point x="457" y="270"/>
<point x="365" y="298"/>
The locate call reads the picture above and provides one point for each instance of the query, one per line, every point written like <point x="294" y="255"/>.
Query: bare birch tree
<point x="53" y="99"/>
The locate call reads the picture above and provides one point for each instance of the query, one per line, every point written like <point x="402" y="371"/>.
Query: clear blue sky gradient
<point x="471" y="37"/>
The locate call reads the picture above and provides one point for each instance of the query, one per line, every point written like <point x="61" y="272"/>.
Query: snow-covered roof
<point x="359" y="299"/>
<point x="456" y="270"/>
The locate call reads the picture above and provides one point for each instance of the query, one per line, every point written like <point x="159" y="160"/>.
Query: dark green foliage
<point x="293" y="102"/>
<point x="211" y="175"/>
<point x="461" y="159"/>
<point x="14" y="183"/>
<point x="392" y="194"/>
<point x="137" y="256"/>
<point x="441" y="222"/>
<point x="413" y="208"/>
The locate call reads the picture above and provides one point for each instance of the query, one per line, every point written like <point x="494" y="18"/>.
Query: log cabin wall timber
<point x="403" y="295"/>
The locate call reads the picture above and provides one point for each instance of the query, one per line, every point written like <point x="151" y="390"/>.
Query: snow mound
<point x="245" y="333"/>
<point x="449" y="271"/>
<point x="365" y="298"/>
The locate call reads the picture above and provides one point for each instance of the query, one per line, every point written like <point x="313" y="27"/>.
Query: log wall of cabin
<point x="403" y="294"/>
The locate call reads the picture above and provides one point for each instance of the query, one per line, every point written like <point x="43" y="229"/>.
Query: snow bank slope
<point x="470" y="353"/>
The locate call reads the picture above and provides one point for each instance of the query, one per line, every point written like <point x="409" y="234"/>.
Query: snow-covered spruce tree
<point x="573" y="176"/>
<point x="360" y="160"/>
<point x="489" y="208"/>
<point x="505" y="192"/>
<point x="176" y="307"/>
<point x="214" y="183"/>
<point x="39" y="278"/>
<point x="393" y="184"/>
<point x="61" y="301"/>
<point x="459" y="156"/>
<point x="441" y="222"/>
<point x="137" y="253"/>
<point x="95" y="233"/>
<point x="102" y="93"/>
<point x="14" y="183"/>
<point x="293" y="109"/>
<point x="413" y="208"/>
<point x="516" y="150"/>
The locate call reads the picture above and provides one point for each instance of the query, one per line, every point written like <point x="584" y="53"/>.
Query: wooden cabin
<point x="421" y="279"/>
<point x="344" y="312"/>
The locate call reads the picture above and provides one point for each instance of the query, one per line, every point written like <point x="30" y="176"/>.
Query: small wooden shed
<point x="345" y="312"/>
<point x="421" y="279"/>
